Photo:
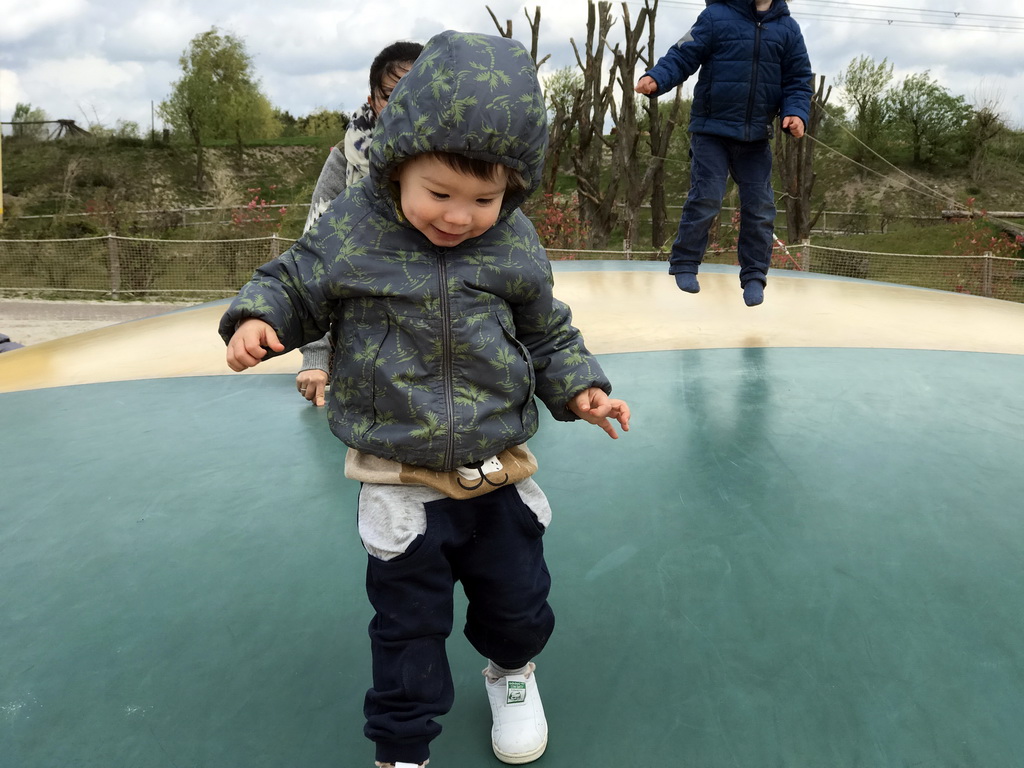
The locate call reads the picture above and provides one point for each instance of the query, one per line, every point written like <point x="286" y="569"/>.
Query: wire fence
<point x="192" y="216"/>
<point x="845" y="222"/>
<point x="116" y="267"/>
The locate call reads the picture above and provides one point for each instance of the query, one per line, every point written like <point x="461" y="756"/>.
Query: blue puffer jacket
<point x="750" y="71"/>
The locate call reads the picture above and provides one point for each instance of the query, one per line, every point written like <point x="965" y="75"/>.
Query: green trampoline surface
<point x="796" y="557"/>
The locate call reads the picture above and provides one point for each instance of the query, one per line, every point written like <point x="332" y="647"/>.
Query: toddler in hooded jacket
<point x="446" y="333"/>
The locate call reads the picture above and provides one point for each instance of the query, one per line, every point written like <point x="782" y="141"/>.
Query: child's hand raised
<point x="593" y="405"/>
<point x="646" y="85"/>
<point x="249" y="344"/>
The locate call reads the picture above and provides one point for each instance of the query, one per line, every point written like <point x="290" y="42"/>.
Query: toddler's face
<point x="446" y="205"/>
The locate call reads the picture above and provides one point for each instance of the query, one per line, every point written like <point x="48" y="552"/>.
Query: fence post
<point x="805" y="255"/>
<point x="114" y="262"/>
<point x="986" y="274"/>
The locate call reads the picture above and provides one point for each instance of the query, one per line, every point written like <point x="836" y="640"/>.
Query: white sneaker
<point x="401" y="765"/>
<point x="520" y="731"/>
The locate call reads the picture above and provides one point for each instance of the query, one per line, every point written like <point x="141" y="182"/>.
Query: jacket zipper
<point x="753" y="79"/>
<point x="446" y="357"/>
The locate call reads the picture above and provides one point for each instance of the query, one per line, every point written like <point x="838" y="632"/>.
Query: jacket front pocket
<point x="354" y="381"/>
<point x="516" y="374"/>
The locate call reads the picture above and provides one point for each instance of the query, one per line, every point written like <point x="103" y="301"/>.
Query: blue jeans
<point x="713" y="159"/>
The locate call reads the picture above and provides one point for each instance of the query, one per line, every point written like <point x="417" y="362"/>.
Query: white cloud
<point x="161" y="31"/>
<point x="82" y="89"/>
<point x="11" y="92"/>
<point x="119" y="55"/>
<point x="957" y="58"/>
<point x="22" y="20"/>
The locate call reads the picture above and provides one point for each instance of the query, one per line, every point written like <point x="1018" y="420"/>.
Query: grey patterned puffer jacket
<point x="438" y="352"/>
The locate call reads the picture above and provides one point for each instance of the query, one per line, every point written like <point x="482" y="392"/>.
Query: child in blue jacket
<point x="753" y="67"/>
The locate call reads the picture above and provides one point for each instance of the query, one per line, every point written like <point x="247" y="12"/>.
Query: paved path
<point x="31" y="322"/>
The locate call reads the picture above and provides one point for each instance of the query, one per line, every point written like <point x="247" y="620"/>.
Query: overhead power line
<point x="916" y="23"/>
<point x="954" y="20"/>
<point x="922" y="11"/>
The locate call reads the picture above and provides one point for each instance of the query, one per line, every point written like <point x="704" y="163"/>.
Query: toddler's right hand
<point x="647" y="85"/>
<point x="248" y="346"/>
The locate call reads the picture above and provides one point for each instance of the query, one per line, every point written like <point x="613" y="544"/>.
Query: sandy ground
<point x="32" y="322"/>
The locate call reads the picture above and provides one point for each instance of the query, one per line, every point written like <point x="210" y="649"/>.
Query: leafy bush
<point x="557" y="220"/>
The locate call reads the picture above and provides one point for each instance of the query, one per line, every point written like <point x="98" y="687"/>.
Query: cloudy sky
<point x="109" y="60"/>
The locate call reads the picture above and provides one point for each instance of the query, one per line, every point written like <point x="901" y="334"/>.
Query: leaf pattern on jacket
<point x="439" y="353"/>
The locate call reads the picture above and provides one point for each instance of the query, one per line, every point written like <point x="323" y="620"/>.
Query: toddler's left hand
<point x="793" y="125"/>
<point x="594" y="406"/>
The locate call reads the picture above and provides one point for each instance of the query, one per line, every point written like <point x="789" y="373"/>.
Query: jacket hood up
<point x="777" y="8"/>
<point x="470" y="94"/>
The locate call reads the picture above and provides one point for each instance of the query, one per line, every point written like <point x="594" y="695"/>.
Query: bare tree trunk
<point x="200" y="167"/>
<point x="559" y="133"/>
<point x="795" y="161"/>
<point x="505" y="31"/>
<point x="197" y="138"/>
<point x="534" y="23"/>
<point x="596" y="204"/>
<point x="561" y="125"/>
<point x="634" y="181"/>
<point x="661" y="129"/>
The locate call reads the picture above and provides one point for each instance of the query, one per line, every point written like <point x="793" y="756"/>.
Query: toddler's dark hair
<point x="391" y="61"/>
<point x="482" y="169"/>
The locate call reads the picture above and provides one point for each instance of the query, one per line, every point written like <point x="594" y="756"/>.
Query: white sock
<point x="495" y="673"/>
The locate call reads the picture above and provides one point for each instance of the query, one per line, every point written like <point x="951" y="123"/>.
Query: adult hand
<point x="312" y="384"/>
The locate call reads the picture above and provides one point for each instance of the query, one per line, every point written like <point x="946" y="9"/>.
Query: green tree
<point x="864" y="84"/>
<point x="218" y="96"/>
<point x="287" y="122"/>
<point x="249" y="115"/>
<point x="323" y="122"/>
<point x="123" y="129"/>
<point x="27" y="122"/>
<point x="926" y="116"/>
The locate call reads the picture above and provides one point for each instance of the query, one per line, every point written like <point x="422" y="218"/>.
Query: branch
<point x="507" y="32"/>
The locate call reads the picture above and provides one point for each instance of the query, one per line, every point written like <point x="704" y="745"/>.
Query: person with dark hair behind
<point x="347" y="163"/>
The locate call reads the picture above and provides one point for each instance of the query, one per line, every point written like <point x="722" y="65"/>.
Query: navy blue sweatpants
<point x="492" y="544"/>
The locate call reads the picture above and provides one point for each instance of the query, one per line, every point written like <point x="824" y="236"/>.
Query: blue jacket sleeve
<point x="685" y="57"/>
<point x="796" y="81"/>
